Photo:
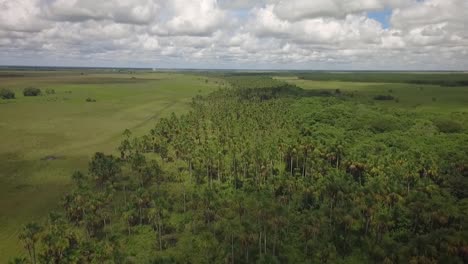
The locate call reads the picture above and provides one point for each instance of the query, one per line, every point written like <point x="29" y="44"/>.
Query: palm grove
<point x="268" y="174"/>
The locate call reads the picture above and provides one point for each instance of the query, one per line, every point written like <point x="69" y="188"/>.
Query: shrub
<point x="90" y="100"/>
<point x="383" y="124"/>
<point x="448" y="126"/>
<point x="31" y="91"/>
<point x="7" y="94"/>
<point x="50" y="91"/>
<point x="384" y="97"/>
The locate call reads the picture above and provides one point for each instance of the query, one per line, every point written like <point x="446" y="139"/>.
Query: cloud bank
<point x="273" y="34"/>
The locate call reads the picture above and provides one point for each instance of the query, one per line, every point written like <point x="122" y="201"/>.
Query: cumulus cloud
<point x="319" y="34"/>
<point x="123" y="11"/>
<point x="302" y="9"/>
<point x="21" y="15"/>
<point x="194" y="17"/>
<point x="351" y="29"/>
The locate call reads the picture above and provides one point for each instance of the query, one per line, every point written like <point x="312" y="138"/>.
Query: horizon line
<point x="216" y="69"/>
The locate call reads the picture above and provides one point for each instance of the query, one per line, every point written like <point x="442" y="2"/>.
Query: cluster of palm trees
<point x="255" y="175"/>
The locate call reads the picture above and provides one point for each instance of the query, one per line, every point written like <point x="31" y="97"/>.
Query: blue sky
<point x="382" y="16"/>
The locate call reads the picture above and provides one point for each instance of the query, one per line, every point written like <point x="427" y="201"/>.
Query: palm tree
<point x="29" y="237"/>
<point x="60" y="242"/>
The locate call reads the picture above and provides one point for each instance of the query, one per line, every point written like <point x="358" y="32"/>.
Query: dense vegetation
<point x="443" y="79"/>
<point x="7" y="94"/>
<point x="269" y="173"/>
<point x="32" y="91"/>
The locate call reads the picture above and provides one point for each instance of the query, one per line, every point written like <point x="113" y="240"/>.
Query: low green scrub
<point x="7" y="94"/>
<point x="448" y="126"/>
<point x="384" y="98"/>
<point x="50" y="91"/>
<point x="32" y="91"/>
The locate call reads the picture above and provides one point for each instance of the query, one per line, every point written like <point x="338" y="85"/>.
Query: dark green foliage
<point x="104" y="168"/>
<point x="32" y="91"/>
<point x="384" y="98"/>
<point x="271" y="175"/>
<point x="90" y="100"/>
<point x="29" y="236"/>
<point x="265" y="88"/>
<point x="383" y="124"/>
<point x="7" y="94"/>
<point x="448" y="126"/>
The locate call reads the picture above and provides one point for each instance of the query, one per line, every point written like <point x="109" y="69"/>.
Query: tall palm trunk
<point x="160" y="230"/>
<point x="34" y="252"/>
<point x="291" y="165"/>
<point x="31" y="254"/>
<point x="232" y="248"/>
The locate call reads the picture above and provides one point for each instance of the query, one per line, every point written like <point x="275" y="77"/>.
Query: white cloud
<point x="315" y="34"/>
<point x="351" y="29"/>
<point x="302" y="9"/>
<point x="201" y="17"/>
<point x="122" y="11"/>
<point x="20" y="15"/>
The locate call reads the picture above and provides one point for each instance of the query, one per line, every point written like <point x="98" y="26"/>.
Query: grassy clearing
<point x="46" y="138"/>
<point x="419" y="97"/>
<point x="436" y="78"/>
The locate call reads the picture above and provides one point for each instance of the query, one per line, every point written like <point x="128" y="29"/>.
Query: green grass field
<point x="44" y="139"/>
<point x="419" y="97"/>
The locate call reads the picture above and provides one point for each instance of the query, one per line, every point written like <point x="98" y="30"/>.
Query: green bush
<point x="50" y="91"/>
<point x="448" y="126"/>
<point x="31" y="91"/>
<point x="90" y="100"/>
<point x="7" y="94"/>
<point x="383" y="124"/>
<point x="384" y="97"/>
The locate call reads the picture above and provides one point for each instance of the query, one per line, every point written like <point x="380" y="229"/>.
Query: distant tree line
<point x="442" y="79"/>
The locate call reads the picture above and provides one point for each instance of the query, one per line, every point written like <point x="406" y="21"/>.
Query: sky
<point x="237" y="34"/>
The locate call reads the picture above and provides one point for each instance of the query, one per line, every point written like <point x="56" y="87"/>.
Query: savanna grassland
<point x="46" y="138"/>
<point x="424" y="92"/>
<point x="230" y="167"/>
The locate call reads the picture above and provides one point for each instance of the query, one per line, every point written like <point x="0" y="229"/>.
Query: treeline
<point x="248" y="87"/>
<point x="243" y="178"/>
<point x="442" y="79"/>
